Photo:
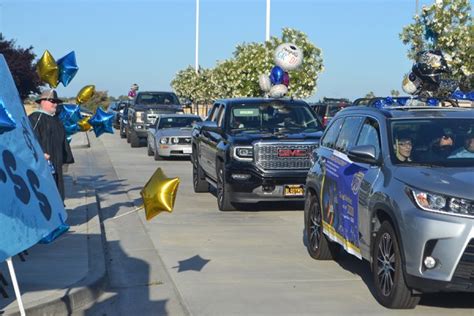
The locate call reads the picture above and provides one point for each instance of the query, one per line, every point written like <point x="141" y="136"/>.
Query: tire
<point x="127" y="131"/>
<point x="200" y="184"/>
<point x="390" y="288"/>
<point x="149" y="151"/>
<point x="223" y="196"/>
<point x="134" y="140"/>
<point x="122" y="131"/>
<point x="318" y="245"/>
<point x="157" y="157"/>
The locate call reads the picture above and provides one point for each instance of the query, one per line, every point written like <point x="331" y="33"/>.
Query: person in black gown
<point x="50" y="133"/>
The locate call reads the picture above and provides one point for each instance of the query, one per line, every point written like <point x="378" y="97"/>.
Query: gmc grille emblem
<point x="292" y="153"/>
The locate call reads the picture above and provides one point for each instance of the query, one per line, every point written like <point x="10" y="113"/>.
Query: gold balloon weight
<point x="159" y="194"/>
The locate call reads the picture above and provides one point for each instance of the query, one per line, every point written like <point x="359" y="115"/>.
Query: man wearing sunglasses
<point x="51" y="135"/>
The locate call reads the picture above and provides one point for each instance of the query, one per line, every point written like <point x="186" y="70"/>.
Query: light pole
<point x="267" y="24"/>
<point x="196" y="61"/>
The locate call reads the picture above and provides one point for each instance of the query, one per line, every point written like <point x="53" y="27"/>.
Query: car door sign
<point x="339" y="198"/>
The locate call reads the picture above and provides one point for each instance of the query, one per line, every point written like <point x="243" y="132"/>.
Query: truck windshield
<point x="438" y="142"/>
<point x="178" y="122"/>
<point x="272" y="117"/>
<point x="157" y="98"/>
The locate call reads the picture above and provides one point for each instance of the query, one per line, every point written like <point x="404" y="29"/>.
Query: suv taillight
<point x="325" y="121"/>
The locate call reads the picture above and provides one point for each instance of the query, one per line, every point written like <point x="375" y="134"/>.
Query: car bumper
<point x="140" y="130"/>
<point x="261" y="186"/>
<point x="446" y="238"/>
<point x="174" y="150"/>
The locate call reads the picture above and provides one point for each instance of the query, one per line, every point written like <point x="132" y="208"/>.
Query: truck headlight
<point x="164" y="140"/>
<point x="139" y="117"/>
<point x="243" y="153"/>
<point x="440" y="203"/>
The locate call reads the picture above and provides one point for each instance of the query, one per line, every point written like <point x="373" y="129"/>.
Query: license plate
<point x="293" y="190"/>
<point x="187" y="150"/>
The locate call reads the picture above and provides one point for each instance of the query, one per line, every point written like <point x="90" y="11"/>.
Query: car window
<point x="370" y="135"/>
<point x="216" y="113"/>
<point x="348" y="134"/>
<point x="329" y="138"/>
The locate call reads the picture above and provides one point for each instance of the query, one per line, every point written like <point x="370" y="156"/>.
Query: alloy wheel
<point x="386" y="264"/>
<point x="314" y="227"/>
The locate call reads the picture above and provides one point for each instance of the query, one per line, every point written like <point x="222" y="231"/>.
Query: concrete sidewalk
<point x="68" y="274"/>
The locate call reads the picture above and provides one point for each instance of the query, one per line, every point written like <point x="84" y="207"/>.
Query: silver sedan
<point x="171" y="136"/>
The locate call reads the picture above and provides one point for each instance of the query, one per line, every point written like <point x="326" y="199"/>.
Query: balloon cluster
<point x="426" y="78"/>
<point x="55" y="72"/>
<point x="287" y="57"/>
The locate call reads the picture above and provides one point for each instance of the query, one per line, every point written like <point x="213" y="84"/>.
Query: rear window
<point x="333" y="109"/>
<point x="157" y="98"/>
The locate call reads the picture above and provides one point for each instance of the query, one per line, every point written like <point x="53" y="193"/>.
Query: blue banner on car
<point x="339" y="199"/>
<point x="31" y="207"/>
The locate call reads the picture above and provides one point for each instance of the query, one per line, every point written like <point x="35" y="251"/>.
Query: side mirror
<point x="363" y="154"/>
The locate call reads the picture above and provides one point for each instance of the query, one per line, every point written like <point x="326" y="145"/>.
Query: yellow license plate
<point x="294" y="190"/>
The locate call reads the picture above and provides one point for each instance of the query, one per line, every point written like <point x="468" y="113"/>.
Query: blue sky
<point x="120" y="42"/>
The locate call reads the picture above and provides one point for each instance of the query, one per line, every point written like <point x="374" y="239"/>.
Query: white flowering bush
<point x="238" y="76"/>
<point x="445" y="25"/>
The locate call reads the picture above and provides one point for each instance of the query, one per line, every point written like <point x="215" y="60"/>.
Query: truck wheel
<point x="134" y="140"/>
<point x="127" y="131"/>
<point x="318" y="245"/>
<point x="199" y="182"/>
<point x="390" y="288"/>
<point x="122" y="132"/>
<point x="149" y="152"/>
<point x="223" y="196"/>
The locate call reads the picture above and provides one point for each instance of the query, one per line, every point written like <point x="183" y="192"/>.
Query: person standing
<point x="50" y="133"/>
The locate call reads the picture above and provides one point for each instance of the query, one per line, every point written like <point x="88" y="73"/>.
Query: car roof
<point x="145" y="92"/>
<point x="261" y="100"/>
<point x="411" y="111"/>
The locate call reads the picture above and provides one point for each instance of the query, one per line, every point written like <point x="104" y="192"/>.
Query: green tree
<point x="20" y="61"/>
<point x="238" y="76"/>
<point x="371" y="94"/>
<point x="445" y="25"/>
<point x="395" y="93"/>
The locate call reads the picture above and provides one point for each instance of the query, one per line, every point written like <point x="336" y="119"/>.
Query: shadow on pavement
<point x="130" y="286"/>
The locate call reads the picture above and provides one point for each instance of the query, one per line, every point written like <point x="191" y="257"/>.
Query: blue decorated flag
<point x="31" y="206"/>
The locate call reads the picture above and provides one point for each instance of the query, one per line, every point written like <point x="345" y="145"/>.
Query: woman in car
<point x="403" y="146"/>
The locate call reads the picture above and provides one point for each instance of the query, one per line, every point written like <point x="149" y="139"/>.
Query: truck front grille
<point x="283" y="155"/>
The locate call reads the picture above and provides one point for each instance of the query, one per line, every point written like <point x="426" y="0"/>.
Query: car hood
<point x="174" y="132"/>
<point x="249" y="138"/>
<point x="457" y="182"/>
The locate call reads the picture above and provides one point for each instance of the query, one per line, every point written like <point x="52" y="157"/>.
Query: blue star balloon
<point x="102" y="122"/>
<point x="7" y="123"/>
<point x="432" y="102"/>
<point x="67" y="68"/>
<point x="276" y="75"/>
<point x="70" y="113"/>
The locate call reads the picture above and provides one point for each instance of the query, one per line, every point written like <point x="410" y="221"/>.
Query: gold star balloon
<point x="85" y="94"/>
<point x="159" y="194"/>
<point x="48" y="70"/>
<point x="84" y="125"/>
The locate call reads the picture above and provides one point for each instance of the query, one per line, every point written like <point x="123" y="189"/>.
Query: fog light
<point x="429" y="262"/>
<point x="240" y="176"/>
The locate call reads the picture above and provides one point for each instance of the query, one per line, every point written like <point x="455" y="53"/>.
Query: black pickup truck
<point x="144" y="111"/>
<point x="254" y="149"/>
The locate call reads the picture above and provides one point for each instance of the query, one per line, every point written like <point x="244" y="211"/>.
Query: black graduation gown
<point x="50" y="133"/>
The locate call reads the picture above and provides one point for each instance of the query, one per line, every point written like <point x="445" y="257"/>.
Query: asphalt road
<point x="250" y="262"/>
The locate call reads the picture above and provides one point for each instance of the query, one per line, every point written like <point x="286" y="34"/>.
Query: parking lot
<point x="249" y="262"/>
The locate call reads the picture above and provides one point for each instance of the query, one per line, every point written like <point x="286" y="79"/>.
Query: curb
<point x="91" y="287"/>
